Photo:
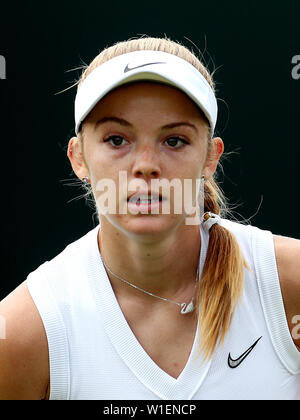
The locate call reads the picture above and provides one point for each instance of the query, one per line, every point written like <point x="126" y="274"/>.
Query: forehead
<point x="148" y="97"/>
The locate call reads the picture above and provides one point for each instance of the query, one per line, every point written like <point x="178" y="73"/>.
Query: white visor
<point x="143" y="65"/>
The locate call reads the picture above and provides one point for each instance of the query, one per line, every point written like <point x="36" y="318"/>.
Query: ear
<point x="213" y="157"/>
<point x="76" y="157"/>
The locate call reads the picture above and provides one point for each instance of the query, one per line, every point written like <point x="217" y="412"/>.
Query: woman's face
<point x="137" y="134"/>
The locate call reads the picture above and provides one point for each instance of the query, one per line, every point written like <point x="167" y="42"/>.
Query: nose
<point x="146" y="164"/>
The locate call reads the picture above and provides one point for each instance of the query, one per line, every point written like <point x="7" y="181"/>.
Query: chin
<point x="145" y="225"/>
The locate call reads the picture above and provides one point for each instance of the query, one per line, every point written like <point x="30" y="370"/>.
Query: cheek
<point x="98" y="164"/>
<point x="106" y="179"/>
<point x="193" y="168"/>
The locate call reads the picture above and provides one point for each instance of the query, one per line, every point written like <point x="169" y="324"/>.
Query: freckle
<point x="148" y="255"/>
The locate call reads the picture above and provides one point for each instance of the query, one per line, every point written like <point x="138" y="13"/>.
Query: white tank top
<point x="94" y="354"/>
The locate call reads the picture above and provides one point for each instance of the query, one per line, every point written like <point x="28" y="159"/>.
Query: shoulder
<point x="244" y="234"/>
<point x="241" y="230"/>
<point x="287" y="252"/>
<point x="75" y="250"/>
<point x="24" y="366"/>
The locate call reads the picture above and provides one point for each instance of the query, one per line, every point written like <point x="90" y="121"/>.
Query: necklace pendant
<point x="186" y="309"/>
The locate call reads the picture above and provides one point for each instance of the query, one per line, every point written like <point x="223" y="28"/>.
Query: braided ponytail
<point x="222" y="280"/>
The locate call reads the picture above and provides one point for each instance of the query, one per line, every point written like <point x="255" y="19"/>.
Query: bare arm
<point x="288" y="262"/>
<point x="24" y="365"/>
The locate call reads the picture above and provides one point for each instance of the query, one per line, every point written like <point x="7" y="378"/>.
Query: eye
<point x="173" y="142"/>
<point x="115" y="141"/>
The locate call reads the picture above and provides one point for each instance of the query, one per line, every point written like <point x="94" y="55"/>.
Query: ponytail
<point x="222" y="281"/>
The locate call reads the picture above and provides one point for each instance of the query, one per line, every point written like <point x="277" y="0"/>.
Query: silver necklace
<point x="185" y="308"/>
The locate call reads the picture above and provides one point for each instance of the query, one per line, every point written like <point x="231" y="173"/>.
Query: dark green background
<point x="251" y="43"/>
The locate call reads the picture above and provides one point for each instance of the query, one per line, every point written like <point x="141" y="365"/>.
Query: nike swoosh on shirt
<point x="233" y="363"/>
<point x="142" y="65"/>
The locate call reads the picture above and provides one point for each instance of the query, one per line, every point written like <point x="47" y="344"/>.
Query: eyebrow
<point x="180" y="123"/>
<point x="113" y="119"/>
<point x="125" y="123"/>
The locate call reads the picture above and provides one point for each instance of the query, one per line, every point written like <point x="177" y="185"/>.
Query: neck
<point x="165" y="265"/>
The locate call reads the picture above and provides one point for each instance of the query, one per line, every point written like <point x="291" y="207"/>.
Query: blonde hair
<point x="221" y="284"/>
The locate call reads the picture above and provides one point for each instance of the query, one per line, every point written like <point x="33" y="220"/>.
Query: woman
<point x="148" y="305"/>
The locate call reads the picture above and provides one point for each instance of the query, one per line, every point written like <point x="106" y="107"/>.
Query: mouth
<point x="142" y="199"/>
